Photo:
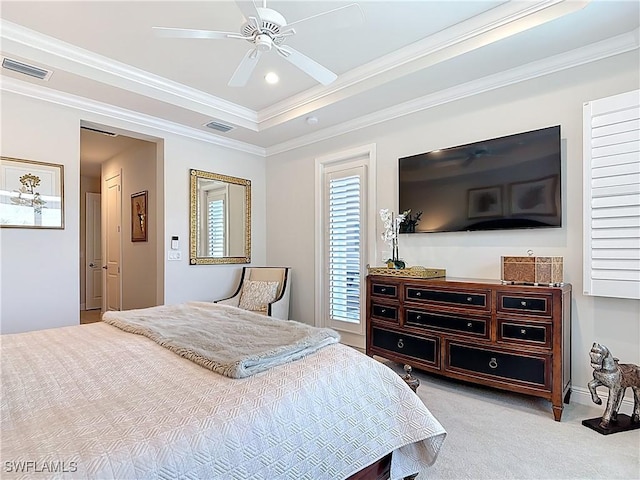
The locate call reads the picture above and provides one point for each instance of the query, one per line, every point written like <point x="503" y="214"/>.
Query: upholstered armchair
<point x="263" y="290"/>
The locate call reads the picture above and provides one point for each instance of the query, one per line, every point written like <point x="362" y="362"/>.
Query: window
<point x="342" y="230"/>
<point x="343" y="244"/>
<point x="612" y="196"/>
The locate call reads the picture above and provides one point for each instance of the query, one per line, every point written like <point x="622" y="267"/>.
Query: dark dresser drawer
<point x="518" y="332"/>
<point x="474" y="299"/>
<point x="523" y="303"/>
<point x="528" y="369"/>
<point x="384" y="312"/>
<point x="424" y="349"/>
<point x="448" y="322"/>
<point x="384" y="290"/>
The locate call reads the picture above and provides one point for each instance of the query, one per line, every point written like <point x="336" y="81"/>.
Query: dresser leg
<point x="557" y="412"/>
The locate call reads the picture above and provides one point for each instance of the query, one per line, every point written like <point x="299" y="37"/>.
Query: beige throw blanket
<point x="227" y="340"/>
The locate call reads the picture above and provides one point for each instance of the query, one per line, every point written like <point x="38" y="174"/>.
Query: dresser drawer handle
<point x="383" y="310"/>
<point x="523" y="331"/>
<point x="418" y="317"/>
<point x="493" y="363"/>
<point x="523" y="303"/>
<point x="400" y="344"/>
<point x="418" y="294"/>
<point x="469" y="324"/>
<point x="383" y="289"/>
<point x="469" y="299"/>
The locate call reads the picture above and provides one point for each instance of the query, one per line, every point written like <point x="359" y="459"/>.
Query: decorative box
<point x="532" y="270"/>
<point x="416" y="272"/>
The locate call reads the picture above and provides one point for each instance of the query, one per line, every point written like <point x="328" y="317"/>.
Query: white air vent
<point x="103" y="132"/>
<point x="25" y="69"/>
<point x="221" y="127"/>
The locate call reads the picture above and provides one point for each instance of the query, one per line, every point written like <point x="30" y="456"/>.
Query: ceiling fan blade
<point x="245" y="69"/>
<point x="348" y="16"/>
<point x="191" y="33"/>
<point x="308" y="66"/>
<point x="248" y="9"/>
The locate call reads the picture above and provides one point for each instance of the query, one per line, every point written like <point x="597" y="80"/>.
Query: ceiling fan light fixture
<point x="263" y="42"/>
<point x="272" y="78"/>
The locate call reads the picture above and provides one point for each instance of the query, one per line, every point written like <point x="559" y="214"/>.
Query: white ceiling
<point x="405" y="55"/>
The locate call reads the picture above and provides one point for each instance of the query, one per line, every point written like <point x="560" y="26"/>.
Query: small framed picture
<point x="31" y="194"/>
<point x="484" y="202"/>
<point x="139" y="217"/>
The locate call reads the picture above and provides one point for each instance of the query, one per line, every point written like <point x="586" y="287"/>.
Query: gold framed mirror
<point x="220" y="214"/>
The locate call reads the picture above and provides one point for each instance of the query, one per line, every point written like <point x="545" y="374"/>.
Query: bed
<point x="95" y="401"/>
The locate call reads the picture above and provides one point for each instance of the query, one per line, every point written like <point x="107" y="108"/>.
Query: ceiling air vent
<point x="103" y="132"/>
<point x="221" y="127"/>
<point x="25" y="69"/>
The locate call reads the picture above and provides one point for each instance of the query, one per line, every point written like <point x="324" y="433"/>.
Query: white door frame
<point x="367" y="152"/>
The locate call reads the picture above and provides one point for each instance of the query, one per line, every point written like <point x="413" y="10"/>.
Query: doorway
<point x="139" y="164"/>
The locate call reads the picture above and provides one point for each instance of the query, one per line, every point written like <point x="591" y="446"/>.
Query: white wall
<point x="546" y="101"/>
<point x="39" y="269"/>
<point x="139" y="273"/>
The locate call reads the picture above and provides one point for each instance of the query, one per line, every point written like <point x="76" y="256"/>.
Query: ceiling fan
<point x="266" y="29"/>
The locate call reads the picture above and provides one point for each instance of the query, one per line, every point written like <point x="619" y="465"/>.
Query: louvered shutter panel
<point x="344" y="195"/>
<point x="612" y="196"/>
<point x="215" y="227"/>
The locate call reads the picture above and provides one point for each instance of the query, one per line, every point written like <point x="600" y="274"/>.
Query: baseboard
<point x="582" y="396"/>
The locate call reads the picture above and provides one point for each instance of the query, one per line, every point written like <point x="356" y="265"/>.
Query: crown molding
<point x="490" y="26"/>
<point x="594" y="52"/>
<point x="478" y="31"/>
<point x="161" y="126"/>
<point x="28" y="43"/>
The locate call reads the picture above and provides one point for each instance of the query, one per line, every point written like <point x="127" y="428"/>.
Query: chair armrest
<point x="279" y="308"/>
<point x="232" y="301"/>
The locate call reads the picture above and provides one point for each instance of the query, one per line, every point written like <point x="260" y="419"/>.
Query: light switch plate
<point x="174" y="255"/>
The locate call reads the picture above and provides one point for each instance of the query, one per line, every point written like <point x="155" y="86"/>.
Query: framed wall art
<point x="139" y="217"/>
<point x="31" y="194"/>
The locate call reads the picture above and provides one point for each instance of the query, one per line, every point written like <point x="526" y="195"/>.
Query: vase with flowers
<point x="391" y="224"/>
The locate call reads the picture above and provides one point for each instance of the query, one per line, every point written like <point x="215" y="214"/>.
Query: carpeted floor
<point x="500" y="435"/>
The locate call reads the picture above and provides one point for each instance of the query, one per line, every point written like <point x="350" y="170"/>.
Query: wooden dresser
<point x="512" y="337"/>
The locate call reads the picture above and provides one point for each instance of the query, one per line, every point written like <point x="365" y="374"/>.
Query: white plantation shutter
<point x="612" y="196"/>
<point x="344" y="242"/>
<point x="215" y="227"/>
<point x="344" y="247"/>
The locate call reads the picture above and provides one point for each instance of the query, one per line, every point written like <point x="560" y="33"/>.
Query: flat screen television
<point x="503" y="183"/>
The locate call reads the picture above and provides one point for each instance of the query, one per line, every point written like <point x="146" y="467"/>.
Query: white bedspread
<point x="93" y="401"/>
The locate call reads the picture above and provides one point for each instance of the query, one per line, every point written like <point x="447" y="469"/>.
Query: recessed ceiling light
<point x="312" y="120"/>
<point x="271" y="78"/>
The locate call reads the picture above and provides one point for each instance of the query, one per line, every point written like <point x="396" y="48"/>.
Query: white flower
<point x="391" y="226"/>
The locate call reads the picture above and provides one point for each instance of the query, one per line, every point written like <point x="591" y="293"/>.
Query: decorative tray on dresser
<point x="512" y="337"/>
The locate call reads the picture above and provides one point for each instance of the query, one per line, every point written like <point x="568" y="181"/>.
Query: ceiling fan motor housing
<point x="271" y="23"/>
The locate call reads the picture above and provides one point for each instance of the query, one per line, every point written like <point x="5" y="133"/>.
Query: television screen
<point x="502" y="183"/>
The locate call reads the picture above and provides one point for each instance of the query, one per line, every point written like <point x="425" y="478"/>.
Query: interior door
<point x="93" y="253"/>
<point x="113" y="238"/>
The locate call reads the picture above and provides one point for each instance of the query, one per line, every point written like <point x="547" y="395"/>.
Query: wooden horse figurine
<point x="617" y="377"/>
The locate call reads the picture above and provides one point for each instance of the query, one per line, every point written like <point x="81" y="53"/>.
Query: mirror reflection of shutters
<point x="215" y="226"/>
<point x="344" y="247"/>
